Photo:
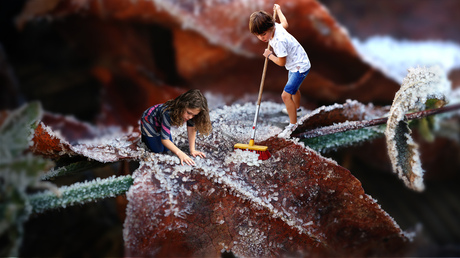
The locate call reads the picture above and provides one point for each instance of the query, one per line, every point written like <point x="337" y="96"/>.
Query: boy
<point x="287" y="52"/>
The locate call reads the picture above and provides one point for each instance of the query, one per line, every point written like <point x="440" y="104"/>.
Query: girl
<point x="190" y="107"/>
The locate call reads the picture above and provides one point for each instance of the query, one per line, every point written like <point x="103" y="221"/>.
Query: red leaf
<point x="48" y="144"/>
<point x="101" y="144"/>
<point x="295" y="203"/>
<point x="208" y="47"/>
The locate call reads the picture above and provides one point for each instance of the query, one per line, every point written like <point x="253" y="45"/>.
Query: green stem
<point x="80" y="193"/>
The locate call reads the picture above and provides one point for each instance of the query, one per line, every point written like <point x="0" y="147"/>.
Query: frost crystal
<point x="420" y="85"/>
<point x="241" y="156"/>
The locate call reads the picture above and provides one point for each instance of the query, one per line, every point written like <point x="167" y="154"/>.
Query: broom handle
<point x="262" y="81"/>
<point x="261" y="88"/>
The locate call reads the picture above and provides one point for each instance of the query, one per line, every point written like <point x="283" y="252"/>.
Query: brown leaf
<point x="144" y="48"/>
<point x="339" y="113"/>
<point x="295" y="203"/>
<point x="49" y="145"/>
<point x="53" y="139"/>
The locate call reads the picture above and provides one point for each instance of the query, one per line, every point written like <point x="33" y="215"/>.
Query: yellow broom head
<point x="250" y="147"/>
<point x="263" y="152"/>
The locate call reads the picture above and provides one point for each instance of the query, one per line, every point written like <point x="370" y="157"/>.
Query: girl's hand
<point x="267" y="52"/>
<point x="276" y="7"/>
<point x="197" y="153"/>
<point x="184" y="158"/>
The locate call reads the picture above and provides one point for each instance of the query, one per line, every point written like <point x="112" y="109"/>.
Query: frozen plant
<point x="18" y="172"/>
<point x="420" y="85"/>
<point x="81" y="193"/>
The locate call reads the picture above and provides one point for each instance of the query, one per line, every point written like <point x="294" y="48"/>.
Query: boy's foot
<point x="285" y="111"/>
<point x="289" y="127"/>
<point x="287" y="131"/>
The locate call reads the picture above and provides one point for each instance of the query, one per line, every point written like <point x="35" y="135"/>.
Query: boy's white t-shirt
<point x="285" y="45"/>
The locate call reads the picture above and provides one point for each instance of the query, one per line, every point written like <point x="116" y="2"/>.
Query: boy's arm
<point x="281" y="61"/>
<point x="281" y="16"/>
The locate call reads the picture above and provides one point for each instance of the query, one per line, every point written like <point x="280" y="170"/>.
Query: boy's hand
<point x="276" y="7"/>
<point x="267" y="52"/>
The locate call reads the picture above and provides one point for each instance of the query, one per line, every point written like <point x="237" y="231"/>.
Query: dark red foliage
<point x="146" y="52"/>
<point x="296" y="203"/>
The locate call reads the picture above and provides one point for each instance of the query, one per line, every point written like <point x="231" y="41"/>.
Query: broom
<point x="263" y="152"/>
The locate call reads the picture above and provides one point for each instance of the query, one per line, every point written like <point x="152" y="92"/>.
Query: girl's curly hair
<point x="191" y="99"/>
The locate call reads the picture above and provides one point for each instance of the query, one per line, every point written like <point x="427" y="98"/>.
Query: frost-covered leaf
<point x="338" y="117"/>
<point x="65" y="137"/>
<point x="419" y="86"/>
<point x="295" y="203"/>
<point x="332" y="142"/>
<point x="18" y="172"/>
<point x="50" y="144"/>
<point x="69" y="169"/>
<point x="80" y="193"/>
<point x="16" y="128"/>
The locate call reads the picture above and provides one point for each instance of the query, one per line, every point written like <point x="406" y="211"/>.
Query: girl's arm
<point x="180" y="154"/>
<point x="281" y="16"/>
<point x="191" y="131"/>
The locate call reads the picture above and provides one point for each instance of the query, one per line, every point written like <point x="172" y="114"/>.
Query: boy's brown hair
<point x="260" y="22"/>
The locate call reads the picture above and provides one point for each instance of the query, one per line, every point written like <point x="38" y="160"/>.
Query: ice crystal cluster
<point x="420" y="85"/>
<point x="233" y="124"/>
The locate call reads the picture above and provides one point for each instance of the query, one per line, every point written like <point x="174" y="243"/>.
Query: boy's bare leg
<point x="290" y="107"/>
<point x="296" y="99"/>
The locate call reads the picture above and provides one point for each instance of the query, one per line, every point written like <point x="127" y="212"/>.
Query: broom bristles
<point x="264" y="154"/>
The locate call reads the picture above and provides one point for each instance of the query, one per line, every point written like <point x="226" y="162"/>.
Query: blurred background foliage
<point x="40" y="63"/>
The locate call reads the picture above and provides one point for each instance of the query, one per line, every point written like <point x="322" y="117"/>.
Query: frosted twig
<point x="354" y="125"/>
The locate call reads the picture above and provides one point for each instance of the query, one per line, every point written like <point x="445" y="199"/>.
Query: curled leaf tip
<point x="420" y="85"/>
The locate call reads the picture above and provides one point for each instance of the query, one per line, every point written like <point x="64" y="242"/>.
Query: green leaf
<point x="425" y="128"/>
<point x="18" y="172"/>
<point x="335" y="141"/>
<point x="70" y="169"/>
<point x="80" y="193"/>
<point x="16" y="130"/>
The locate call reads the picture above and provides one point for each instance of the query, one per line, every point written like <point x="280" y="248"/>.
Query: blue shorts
<point x="154" y="143"/>
<point x="295" y="79"/>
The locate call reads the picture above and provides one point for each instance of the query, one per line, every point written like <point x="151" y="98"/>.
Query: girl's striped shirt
<point x="156" y="121"/>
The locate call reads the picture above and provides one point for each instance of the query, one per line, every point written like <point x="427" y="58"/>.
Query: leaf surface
<point x="419" y="86"/>
<point x="295" y="203"/>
